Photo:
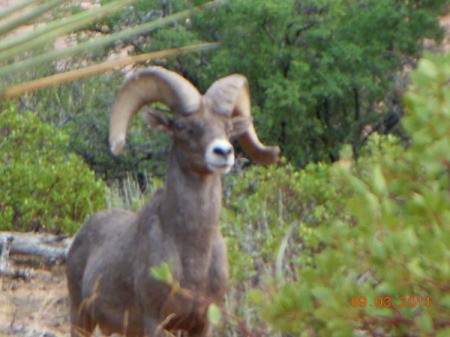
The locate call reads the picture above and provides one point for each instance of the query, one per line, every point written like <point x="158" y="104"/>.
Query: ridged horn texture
<point x="230" y="96"/>
<point x="145" y="87"/>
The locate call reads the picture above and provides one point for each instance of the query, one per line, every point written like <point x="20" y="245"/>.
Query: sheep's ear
<point x="156" y="118"/>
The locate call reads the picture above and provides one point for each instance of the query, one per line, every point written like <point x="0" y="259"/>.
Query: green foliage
<point x="428" y="104"/>
<point x="380" y="254"/>
<point x="43" y="186"/>
<point x="22" y="52"/>
<point x="271" y="221"/>
<point x="262" y="209"/>
<point x="81" y="109"/>
<point x="163" y="273"/>
<point x="319" y="70"/>
<point x="214" y="314"/>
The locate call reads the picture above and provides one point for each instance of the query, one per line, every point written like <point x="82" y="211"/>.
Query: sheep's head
<point x="202" y="124"/>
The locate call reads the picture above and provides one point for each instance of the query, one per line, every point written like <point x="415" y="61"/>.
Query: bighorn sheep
<point x="108" y="265"/>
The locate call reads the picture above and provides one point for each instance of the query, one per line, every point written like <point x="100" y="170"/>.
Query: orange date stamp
<point x="390" y="302"/>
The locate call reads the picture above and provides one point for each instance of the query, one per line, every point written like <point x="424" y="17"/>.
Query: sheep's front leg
<point x="153" y="328"/>
<point x="81" y="325"/>
<point x="207" y="331"/>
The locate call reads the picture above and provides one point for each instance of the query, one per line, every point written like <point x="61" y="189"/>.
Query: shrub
<point x="267" y="208"/>
<point x="385" y="270"/>
<point x="42" y="185"/>
<point x="271" y="221"/>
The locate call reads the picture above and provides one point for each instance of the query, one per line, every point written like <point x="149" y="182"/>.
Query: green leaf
<point x="104" y="40"/>
<point x="29" y="16"/>
<point x="323" y="294"/>
<point x="15" y="8"/>
<point x="340" y="327"/>
<point x="162" y="273"/>
<point x="425" y="322"/>
<point x="443" y="333"/>
<point x="214" y="314"/>
<point x="379" y="182"/>
<point x="415" y="267"/>
<point x="15" y="45"/>
<point x="445" y="301"/>
<point x="256" y="296"/>
<point x="428" y="68"/>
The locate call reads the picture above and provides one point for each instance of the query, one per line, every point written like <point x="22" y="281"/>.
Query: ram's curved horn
<point x="149" y="86"/>
<point x="230" y="96"/>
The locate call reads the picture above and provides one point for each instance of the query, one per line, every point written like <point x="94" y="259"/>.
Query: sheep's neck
<point x="189" y="209"/>
<point x="192" y="201"/>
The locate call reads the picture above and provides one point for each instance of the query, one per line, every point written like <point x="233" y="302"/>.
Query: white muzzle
<point x="220" y="156"/>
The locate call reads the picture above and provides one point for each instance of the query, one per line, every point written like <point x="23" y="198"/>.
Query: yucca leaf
<point x="14" y="45"/>
<point x="18" y="90"/>
<point x="10" y="10"/>
<point x="9" y="26"/>
<point x="100" y="42"/>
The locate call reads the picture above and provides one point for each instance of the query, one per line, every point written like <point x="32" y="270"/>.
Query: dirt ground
<point x="37" y="307"/>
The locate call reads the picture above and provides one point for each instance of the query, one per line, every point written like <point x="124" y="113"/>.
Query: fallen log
<point x="51" y="248"/>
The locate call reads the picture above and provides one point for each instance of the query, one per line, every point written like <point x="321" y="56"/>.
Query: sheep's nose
<point x="224" y="150"/>
<point x="220" y="156"/>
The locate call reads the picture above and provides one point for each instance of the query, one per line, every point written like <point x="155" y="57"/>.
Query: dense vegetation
<point x="358" y="247"/>
<point x="320" y="70"/>
<point x="323" y="73"/>
<point x="43" y="185"/>
<point x="348" y="236"/>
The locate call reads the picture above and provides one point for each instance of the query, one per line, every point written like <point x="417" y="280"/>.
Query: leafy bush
<point x="382" y="264"/>
<point x="42" y="185"/>
<point x="276" y="211"/>
<point x="271" y="221"/>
